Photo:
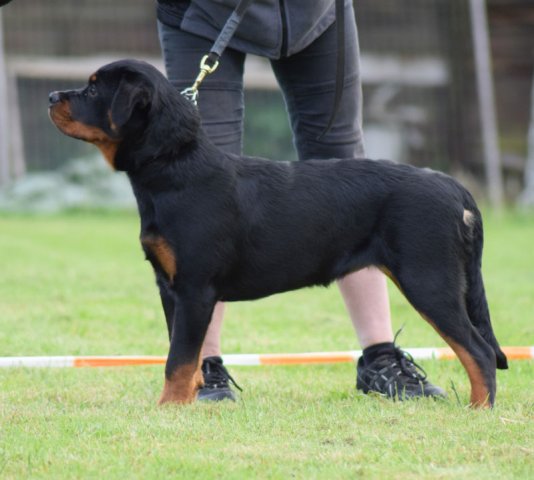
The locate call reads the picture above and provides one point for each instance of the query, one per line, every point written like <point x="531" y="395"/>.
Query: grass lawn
<point x="76" y="284"/>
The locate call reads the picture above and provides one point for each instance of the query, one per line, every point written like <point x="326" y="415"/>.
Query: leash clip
<point x="191" y="93"/>
<point x="205" y="67"/>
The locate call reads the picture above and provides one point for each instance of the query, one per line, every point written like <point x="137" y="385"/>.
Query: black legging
<point x="307" y="80"/>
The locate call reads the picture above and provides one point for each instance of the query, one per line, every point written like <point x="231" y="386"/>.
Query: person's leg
<point x="220" y="100"/>
<point x="308" y="83"/>
<point x="366" y="298"/>
<point x="212" y="341"/>
<point x="220" y="104"/>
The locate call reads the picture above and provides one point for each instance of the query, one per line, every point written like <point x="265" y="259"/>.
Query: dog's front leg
<point x="183" y="377"/>
<point x="167" y="302"/>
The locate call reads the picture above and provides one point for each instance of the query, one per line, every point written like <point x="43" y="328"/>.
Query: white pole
<point x="244" y="359"/>
<point x="486" y="100"/>
<point x="4" y="120"/>
<point x="527" y="197"/>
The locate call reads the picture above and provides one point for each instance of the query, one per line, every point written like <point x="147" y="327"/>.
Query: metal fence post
<point x="486" y="100"/>
<point x="4" y="120"/>
<point x="527" y="196"/>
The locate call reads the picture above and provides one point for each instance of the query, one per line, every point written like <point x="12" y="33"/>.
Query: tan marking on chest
<point x="109" y="150"/>
<point x="163" y="254"/>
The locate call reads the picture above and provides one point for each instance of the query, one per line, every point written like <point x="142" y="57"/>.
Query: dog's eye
<point x="92" y="90"/>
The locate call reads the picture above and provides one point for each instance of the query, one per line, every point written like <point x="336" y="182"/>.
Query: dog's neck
<point x="135" y="155"/>
<point x="171" y="133"/>
<point x="170" y="168"/>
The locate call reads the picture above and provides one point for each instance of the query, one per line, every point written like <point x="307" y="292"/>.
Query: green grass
<point x="77" y="284"/>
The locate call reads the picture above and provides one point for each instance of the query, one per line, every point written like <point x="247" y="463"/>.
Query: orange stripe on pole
<point x="512" y="353"/>
<point x="303" y="358"/>
<point x="446" y="354"/>
<point x="518" y="353"/>
<point x="117" y="361"/>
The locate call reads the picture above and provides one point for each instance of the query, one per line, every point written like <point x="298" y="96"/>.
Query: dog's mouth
<point x="61" y="117"/>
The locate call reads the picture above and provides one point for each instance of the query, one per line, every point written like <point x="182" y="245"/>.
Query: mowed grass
<point x="76" y="284"/>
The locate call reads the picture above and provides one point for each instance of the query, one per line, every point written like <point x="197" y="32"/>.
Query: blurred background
<point x="447" y="85"/>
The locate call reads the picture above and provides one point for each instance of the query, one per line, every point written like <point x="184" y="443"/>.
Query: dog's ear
<point x="130" y="95"/>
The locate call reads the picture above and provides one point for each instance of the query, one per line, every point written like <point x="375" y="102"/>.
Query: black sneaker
<point x="216" y="378"/>
<point x="395" y="375"/>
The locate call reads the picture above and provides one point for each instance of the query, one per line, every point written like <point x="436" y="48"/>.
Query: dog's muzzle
<point x="54" y="98"/>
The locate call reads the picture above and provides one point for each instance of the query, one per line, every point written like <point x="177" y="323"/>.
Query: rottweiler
<point x="222" y="227"/>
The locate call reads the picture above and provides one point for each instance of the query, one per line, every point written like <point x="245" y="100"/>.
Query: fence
<point x="418" y="74"/>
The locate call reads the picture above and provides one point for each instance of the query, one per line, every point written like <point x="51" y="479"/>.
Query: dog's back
<point x="319" y="220"/>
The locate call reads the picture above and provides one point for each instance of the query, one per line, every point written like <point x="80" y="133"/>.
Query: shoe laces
<point x="408" y="366"/>
<point x="406" y="363"/>
<point x="215" y="373"/>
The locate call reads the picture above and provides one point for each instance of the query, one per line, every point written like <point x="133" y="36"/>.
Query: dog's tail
<point x="476" y="302"/>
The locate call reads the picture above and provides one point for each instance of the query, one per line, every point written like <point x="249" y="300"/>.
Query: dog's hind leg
<point x="183" y="377"/>
<point x="439" y="297"/>
<point x="477" y="357"/>
<point x="476" y="303"/>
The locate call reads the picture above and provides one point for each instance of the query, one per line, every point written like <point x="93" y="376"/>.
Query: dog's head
<point x="129" y="111"/>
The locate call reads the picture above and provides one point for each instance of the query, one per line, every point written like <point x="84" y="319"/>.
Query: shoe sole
<point x="216" y="396"/>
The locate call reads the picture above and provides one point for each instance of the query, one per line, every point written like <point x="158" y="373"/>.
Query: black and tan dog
<point x="217" y="226"/>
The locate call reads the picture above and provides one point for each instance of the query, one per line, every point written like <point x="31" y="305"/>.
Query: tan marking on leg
<point x="199" y="376"/>
<point x="468" y="218"/>
<point x="61" y="116"/>
<point x="183" y="385"/>
<point x="479" y="391"/>
<point x="163" y="253"/>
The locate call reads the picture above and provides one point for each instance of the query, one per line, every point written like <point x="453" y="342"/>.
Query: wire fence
<point x="418" y="75"/>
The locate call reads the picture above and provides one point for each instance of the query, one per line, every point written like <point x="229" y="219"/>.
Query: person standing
<point x="299" y="39"/>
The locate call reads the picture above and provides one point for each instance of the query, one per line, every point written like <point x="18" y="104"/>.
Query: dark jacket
<point x="270" y="28"/>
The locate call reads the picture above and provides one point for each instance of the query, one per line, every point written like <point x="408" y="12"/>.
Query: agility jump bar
<point x="513" y="353"/>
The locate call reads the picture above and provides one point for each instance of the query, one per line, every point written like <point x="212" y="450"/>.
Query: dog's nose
<point x="53" y="98"/>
